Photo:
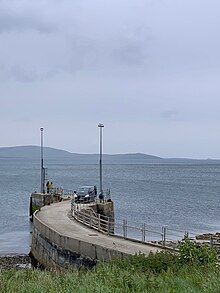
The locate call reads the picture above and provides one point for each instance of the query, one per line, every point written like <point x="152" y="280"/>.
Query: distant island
<point x="33" y="152"/>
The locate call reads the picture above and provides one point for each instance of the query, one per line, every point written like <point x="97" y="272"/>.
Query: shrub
<point x="197" y="253"/>
<point x="154" y="262"/>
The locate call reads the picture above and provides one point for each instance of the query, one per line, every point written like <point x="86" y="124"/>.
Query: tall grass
<point x="159" y="273"/>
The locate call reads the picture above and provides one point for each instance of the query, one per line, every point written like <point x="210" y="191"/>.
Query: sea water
<point x="183" y="195"/>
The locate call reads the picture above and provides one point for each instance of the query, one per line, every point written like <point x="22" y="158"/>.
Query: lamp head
<point x="100" y="125"/>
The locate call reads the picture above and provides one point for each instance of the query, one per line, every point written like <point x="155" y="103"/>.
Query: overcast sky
<point x="149" y="70"/>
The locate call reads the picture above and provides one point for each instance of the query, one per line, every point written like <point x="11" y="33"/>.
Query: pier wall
<point x="54" y="250"/>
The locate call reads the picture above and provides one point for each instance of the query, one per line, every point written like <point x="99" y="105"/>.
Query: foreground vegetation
<point x="193" y="270"/>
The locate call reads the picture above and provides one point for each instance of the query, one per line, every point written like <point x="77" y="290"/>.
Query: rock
<point x="16" y="262"/>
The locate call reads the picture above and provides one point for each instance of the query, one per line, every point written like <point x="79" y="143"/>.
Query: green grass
<point x="34" y="208"/>
<point x="159" y="273"/>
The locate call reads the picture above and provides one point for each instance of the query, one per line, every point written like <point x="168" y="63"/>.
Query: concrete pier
<point x="58" y="241"/>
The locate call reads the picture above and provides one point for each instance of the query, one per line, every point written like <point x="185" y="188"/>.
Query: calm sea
<point x="181" y="195"/>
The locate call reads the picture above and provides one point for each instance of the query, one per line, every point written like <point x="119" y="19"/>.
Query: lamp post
<point x="42" y="163"/>
<point x="100" y="125"/>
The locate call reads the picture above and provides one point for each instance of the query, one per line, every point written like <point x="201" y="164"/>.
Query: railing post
<point x="90" y="218"/>
<point x="186" y="235"/>
<point x="211" y="242"/>
<point x="125" y="229"/>
<point x="74" y="209"/>
<point x="164" y="236"/>
<point x="143" y="232"/>
<point x="83" y="216"/>
<point x="108" y="226"/>
<point x="99" y="222"/>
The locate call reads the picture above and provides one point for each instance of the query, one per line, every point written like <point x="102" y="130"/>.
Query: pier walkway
<point x="56" y="216"/>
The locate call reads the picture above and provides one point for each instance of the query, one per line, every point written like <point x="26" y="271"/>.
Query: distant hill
<point x="33" y="152"/>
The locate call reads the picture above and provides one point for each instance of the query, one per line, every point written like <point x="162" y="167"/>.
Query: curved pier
<point x="58" y="241"/>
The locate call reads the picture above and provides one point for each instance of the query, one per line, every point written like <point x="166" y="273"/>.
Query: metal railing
<point x="89" y="217"/>
<point x="164" y="237"/>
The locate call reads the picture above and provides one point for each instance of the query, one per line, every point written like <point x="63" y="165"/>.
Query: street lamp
<point x="42" y="163"/>
<point x="100" y="125"/>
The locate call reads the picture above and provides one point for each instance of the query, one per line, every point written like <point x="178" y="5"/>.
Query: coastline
<point x="15" y="262"/>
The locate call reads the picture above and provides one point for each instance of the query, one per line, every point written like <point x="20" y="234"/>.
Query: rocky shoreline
<point x="16" y="262"/>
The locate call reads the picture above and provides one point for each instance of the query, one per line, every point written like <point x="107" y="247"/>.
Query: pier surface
<point x="56" y="217"/>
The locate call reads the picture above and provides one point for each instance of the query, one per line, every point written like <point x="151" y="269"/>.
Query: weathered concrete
<point x="105" y="209"/>
<point x="60" y="242"/>
<point x="38" y="200"/>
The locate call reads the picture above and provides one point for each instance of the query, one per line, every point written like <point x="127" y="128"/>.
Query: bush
<point x="197" y="253"/>
<point x="161" y="272"/>
<point x="154" y="262"/>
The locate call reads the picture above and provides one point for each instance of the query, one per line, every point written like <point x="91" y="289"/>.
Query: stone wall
<point x="53" y="250"/>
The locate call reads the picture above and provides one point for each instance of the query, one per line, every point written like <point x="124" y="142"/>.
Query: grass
<point x="159" y="273"/>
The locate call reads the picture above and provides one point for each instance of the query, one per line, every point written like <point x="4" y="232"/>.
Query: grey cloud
<point x="169" y="114"/>
<point x="89" y="45"/>
<point x="23" y="75"/>
<point x="131" y="50"/>
<point x="148" y="67"/>
<point x="132" y="43"/>
<point x="44" y="16"/>
<point x="11" y="20"/>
